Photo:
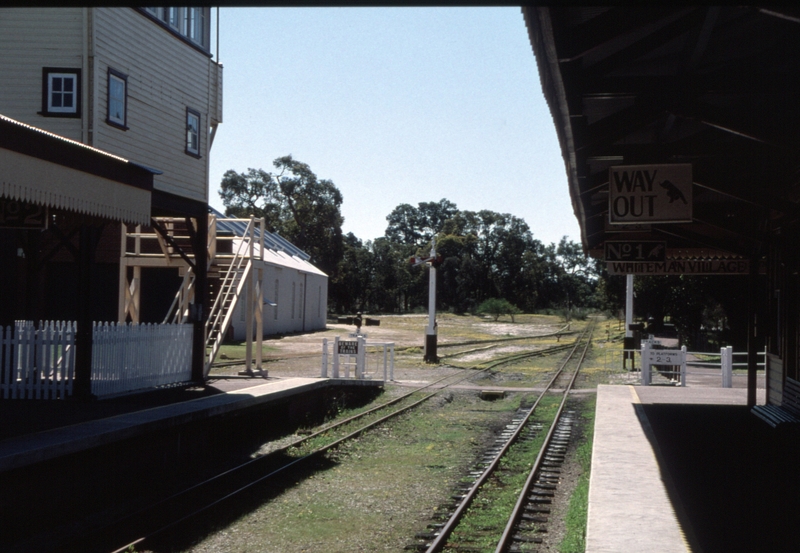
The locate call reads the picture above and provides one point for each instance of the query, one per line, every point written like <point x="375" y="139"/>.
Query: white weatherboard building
<point x="295" y="292"/>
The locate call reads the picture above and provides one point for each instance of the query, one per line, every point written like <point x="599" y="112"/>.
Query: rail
<point x="442" y="537"/>
<point x="138" y="527"/>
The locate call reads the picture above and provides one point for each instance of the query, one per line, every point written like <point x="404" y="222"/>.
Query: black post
<point x="83" y="336"/>
<point x="200" y="311"/>
<point x="752" y="332"/>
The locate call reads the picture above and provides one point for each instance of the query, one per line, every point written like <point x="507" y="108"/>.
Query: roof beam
<point x="608" y="27"/>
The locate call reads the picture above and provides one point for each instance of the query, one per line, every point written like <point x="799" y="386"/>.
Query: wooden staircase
<point x="227" y="275"/>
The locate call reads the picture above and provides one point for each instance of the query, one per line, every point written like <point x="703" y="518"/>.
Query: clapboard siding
<point x="313" y="304"/>
<point x="30" y="39"/>
<point x="165" y="76"/>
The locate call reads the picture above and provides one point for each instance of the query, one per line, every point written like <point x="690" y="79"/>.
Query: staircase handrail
<point x="226" y="320"/>
<point x="177" y="311"/>
<point x="233" y="269"/>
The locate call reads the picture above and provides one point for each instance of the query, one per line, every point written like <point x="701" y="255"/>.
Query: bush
<point x="496" y="307"/>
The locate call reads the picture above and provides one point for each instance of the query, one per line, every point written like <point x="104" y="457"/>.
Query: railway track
<point x="442" y="346"/>
<point x="135" y="529"/>
<point x="531" y="510"/>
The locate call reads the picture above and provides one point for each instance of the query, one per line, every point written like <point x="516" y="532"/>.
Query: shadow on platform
<point x="732" y="479"/>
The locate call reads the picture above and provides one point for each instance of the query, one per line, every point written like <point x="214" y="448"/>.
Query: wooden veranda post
<point x="89" y="236"/>
<point x="200" y="310"/>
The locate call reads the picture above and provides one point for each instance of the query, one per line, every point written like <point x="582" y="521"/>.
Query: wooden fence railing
<point x="128" y="356"/>
<point x="39" y="362"/>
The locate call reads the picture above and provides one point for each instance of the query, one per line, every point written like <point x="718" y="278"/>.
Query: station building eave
<point x="714" y="87"/>
<point x="42" y="168"/>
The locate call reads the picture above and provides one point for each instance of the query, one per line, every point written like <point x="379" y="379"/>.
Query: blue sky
<point x="394" y="105"/>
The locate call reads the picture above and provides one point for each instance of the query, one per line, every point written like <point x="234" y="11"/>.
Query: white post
<point x="726" y="361"/>
<point x="385" y="355"/>
<point x="645" y="364"/>
<point x="361" y="357"/>
<point x="628" y="305"/>
<point x="683" y="366"/>
<point x="335" y="354"/>
<point x="324" y="358"/>
<point x="391" y="367"/>
<point x="430" y="332"/>
<point x="249" y="298"/>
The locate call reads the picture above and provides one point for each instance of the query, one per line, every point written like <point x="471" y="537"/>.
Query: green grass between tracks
<point x="486" y="518"/>
<point x="575" y="521"/>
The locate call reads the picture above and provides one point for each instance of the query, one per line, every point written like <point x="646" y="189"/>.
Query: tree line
<point x="480" y="254"/>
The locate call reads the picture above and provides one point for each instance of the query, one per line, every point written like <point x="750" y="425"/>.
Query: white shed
<point x="295" y="292"/>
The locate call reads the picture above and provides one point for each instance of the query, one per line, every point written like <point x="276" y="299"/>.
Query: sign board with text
<point x="15" y="214"/>
<point x="635" y="250"/>
<point x="348" y="347"/>
<point x="650" y="193"/>
<point x="680" y="267"/>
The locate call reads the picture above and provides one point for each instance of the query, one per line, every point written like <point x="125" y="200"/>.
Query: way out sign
<point x="650" y="193"/>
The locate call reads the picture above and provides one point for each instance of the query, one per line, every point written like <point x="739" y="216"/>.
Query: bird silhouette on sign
<point x="673" y="192"/>
<point x="656" y="252"/>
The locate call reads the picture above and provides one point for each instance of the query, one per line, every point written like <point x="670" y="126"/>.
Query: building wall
<point x="302" y="302"/>
<point x="165" y="76"/>
<point x="31" y="39"/>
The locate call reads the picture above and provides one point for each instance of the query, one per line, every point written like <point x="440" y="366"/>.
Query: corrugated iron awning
<point x="45" y="169"/>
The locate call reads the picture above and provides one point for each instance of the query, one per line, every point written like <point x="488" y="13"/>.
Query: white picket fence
<point x="128" y="356"/>
<point x="39" y="362"/>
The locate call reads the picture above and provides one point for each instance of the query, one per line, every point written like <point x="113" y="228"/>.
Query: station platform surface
<point x="34" y="431"/>
<point x="690" y="469"/>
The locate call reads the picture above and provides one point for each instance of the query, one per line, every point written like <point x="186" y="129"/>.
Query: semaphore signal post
<point x="430" y="331"/>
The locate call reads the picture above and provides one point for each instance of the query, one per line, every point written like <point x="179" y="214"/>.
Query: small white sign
<point x="664" y="356"/>
<point x="650" y="193"/>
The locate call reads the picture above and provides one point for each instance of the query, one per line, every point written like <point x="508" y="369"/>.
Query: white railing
<point x="129" y="356"/>
<point x="679" y="363"/>
<point x="369" y="360"/>
<point x="37" y="363"/>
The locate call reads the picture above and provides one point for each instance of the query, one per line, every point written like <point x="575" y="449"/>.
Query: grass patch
<point x="487" y="516"/>
<point x="575" y="534"/>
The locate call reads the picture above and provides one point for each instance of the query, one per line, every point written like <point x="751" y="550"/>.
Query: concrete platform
<point x="138" y="415"/>
<point x="685" y="469"/>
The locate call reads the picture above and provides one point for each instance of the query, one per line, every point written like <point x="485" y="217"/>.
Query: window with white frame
<point x="117" y="114"/>
<point x="190" y="23"/>
<point x="61" y="93"/>
<point x="192" y="132"/>
<point x="196" y="24"/>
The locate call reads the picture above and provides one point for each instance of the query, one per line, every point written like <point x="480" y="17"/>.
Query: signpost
<point x="430" y="355"/>
<point x="650" y="193"/>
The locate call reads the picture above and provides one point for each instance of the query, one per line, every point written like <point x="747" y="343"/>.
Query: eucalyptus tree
<point x="294" y="203"/>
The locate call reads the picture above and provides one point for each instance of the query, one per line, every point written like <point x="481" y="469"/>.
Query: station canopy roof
<point x="42" y="168"/>
<point x="714" y="87"/>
